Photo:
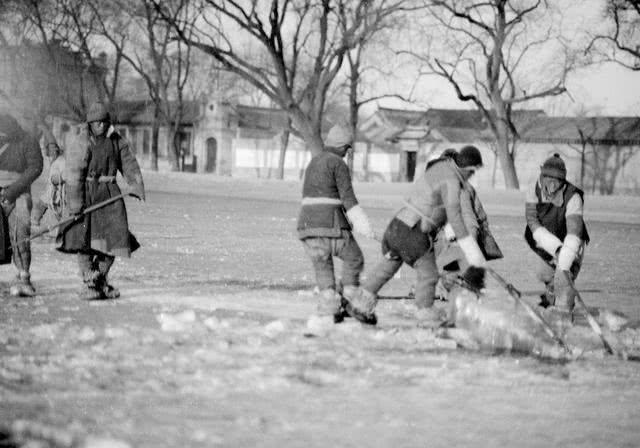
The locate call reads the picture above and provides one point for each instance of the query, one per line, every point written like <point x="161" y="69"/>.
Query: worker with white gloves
<point x="433" y="200"/>
<point x="329" y="213"/>
<point x="556" y="231"/>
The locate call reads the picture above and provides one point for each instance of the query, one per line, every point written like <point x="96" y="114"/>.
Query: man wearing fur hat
<point x="556" y="231"/>
<point x="433" y="200"/>
<point x="94" y="157"/>
<point x="20" y="166"/>
<point x="329" y="212"/>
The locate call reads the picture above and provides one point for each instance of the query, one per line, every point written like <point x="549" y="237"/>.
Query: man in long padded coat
<point x="20" y="166"/>
<point x="434" y="200"/>
<point x="328" y="200"/>
<point x="556" y="231"/>
<point x="95" y="154"/>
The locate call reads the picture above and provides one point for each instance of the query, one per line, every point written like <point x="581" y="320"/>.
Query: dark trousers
<point x="19" y="219"/>
<point x="402" y="244"/>
<point x="321" y="250"/>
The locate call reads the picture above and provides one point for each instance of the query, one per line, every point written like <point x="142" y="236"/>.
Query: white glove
<point x="547" y="240"/>
<point x="568" y="252"/>
<point x="472" y="251"/>
<point x="360" y="222"/>
<point x="449" y="234"/>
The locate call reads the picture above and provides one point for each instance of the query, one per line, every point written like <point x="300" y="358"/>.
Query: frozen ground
<point x="207" y="348"/>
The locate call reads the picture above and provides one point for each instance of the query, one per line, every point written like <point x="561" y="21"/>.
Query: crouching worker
<point x="94" y="157"/>
<point x="556" y="231"/>
<point x="434" y="200"/>
<point x="328" y="214"/>
<point x="20" y="166"/>
<point x="53" y="197"/>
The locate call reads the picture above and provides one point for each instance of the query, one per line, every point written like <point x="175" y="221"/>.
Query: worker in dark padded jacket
<point x="20" y="166"/>
<point x="556" y="231"/>
<point x="329" y="213"/>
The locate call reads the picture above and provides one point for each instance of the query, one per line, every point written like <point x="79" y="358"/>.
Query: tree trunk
<point x="311" y="132"/>
<point x="505" y="157"/>
<point x="353" y="123"/>
<point x="173" y="148"/>
<point x="155" y="132"/>
<point x="284" y="144"/>
<point x="365" y="161"/>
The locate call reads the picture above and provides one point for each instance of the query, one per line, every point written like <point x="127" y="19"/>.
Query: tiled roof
<point x="455" y="118"/>
<point x="463" y="125"/>
<point x="400" y="118"/>
<point x="575" y="129"/>
<point x="263" y="118"/>
<point x="141" y="111"/>
<point x="458" y="135"/>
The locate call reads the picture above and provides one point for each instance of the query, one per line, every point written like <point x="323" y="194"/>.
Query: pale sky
<point x="605" y="89"/>
<point x="614" y="89"/>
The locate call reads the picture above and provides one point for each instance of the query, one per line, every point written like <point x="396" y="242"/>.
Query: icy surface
<point x="208" y="344"/>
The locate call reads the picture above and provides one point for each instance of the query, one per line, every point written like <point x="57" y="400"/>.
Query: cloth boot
<point x="104" y="264"/>
<point x="361" y="306"/>
<point x="328" y="313"/>
<point x="22" y="286"/>
<point x="89" y="290"/>
<point x="89" y="275"/>
<point x="329" y="304"/>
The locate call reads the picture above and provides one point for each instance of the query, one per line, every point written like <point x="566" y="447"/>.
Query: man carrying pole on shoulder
<point x="94" y="157"/>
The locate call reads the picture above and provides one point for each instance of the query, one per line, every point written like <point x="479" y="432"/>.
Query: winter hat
<point x="339" y="136"/>
<point x="468" y="156"/>
<point x="554" y="167"/>
<point x="97" y="112"/>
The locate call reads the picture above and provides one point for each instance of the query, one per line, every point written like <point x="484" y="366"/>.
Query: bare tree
<point x="620" y="42"/>
<point x="65" y="30"/>
<point x="364" y="58"/>
<point x="488" y="49"/>
<point x="603" y="154"/>
<point x="298" y="47"/>
<point x="160" y="61"/>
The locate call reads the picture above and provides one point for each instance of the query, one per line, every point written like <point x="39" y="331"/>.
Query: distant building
<point x="217" y="137"/>
<point x="602" y="153"/>
<point x="394" y="145"/>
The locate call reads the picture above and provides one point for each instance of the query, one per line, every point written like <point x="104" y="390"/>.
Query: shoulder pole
<point x="77" y="217"/>
<point x="592" y="322"/>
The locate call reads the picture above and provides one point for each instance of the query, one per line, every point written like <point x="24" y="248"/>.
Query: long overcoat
<point x="92" y="164"/>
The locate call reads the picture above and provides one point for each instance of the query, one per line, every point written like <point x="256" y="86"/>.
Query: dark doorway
<point x="411" y="165"/>
<point x="212" y="154"/>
